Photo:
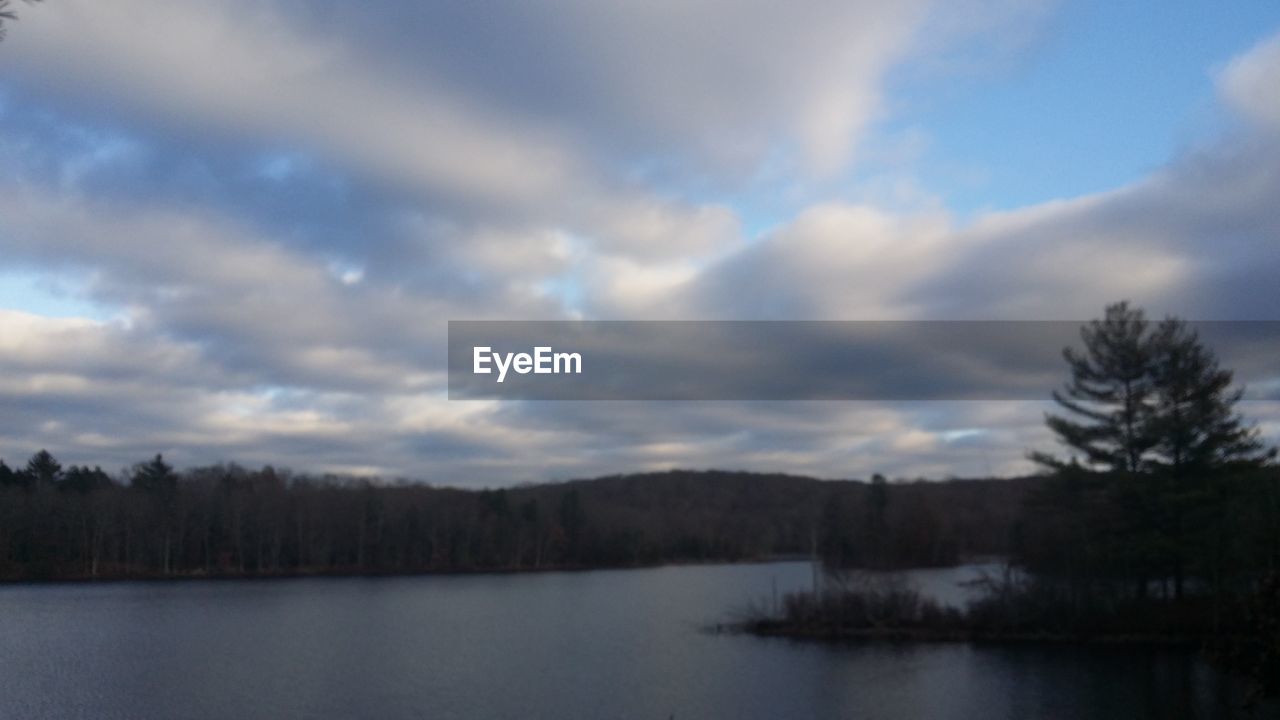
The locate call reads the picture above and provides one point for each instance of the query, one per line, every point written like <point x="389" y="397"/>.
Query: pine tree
<point x="1109" y="395"/>
<point x="7" y="15"/>
<point x="43" y="470"/>
<point x="1194" y="421"/>
<point x="155" y="477"/>
<point x="1198" y="435"/>
<point x="1153" y="404"/>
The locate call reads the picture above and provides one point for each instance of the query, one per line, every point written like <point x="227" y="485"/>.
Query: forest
<point x="225" y="520"/>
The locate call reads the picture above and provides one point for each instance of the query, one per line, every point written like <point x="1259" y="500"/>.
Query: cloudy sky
<point x="236" y="230"/>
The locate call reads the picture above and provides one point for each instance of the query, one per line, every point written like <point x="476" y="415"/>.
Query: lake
<point x="600" y="644"/>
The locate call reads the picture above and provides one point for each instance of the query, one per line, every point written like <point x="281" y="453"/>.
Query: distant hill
<point x="715" y="514"/>
<point x="227" y="520"/>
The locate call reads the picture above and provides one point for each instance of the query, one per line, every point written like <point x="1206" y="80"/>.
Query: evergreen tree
<point x="7" y="475"/>
<point x="1198" y="434"/>
<point x="1155" y="406"/>
<point x="155" y="477"/>
<point x="1109" y="396"/>
<point x="7" y="15"/>
<point x="1194" y="421"/>
<point x="43" y="469"/>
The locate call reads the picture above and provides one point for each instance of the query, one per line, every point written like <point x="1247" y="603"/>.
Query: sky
<point x="236" y="231"/>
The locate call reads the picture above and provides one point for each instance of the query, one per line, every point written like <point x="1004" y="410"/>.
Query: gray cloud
<point x="282" y="234"/>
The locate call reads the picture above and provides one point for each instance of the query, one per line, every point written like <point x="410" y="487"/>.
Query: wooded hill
<point x="227" y="520"/>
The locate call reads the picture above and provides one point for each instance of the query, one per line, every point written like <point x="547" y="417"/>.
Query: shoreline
<point x="197" y="576"/>
<point x="851" y="636"/>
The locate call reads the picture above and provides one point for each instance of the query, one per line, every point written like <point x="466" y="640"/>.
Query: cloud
<point x="511" y="113"/>
<point x="1248" y="84"/>
<point x="834" y="261"/>
<point x="697" y="85"/>
<point x="1195" y="238"/>
<point x="282" y="232"/>
<point x="250" y="303"/>
<point x="276" y="83"/>
<point x="272" y="80"/>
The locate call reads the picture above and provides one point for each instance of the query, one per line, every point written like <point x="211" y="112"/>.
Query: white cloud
<point x="557" y="163"/>
<point x="275" y="83"/>
<point x="1251" y="83"/>
<point x="686" y="86"/>
<point x="833" y="262"/>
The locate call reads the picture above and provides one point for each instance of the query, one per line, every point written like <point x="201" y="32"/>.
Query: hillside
<point x="226" y="520"/>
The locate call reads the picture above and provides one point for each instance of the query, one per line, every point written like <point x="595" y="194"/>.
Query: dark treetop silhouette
<point x="152" y="521"/>
<point x="8" y="15"/>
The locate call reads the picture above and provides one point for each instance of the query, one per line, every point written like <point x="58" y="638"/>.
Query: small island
<point x="1163" y="527"/>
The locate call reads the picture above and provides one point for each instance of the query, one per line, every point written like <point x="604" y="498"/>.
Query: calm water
<point x="606" y="644"/>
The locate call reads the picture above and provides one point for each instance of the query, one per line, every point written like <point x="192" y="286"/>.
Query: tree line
<point x="154" y="521"/>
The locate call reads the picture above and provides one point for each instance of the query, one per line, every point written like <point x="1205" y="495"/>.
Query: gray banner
<point x="811" y="360"/>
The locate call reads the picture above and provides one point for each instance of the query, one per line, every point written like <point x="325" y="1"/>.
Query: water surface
<point x="601" y="644"/>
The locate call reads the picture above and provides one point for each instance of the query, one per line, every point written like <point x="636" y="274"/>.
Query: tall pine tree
<point x="1194" y="421"/>
<point x="1109" y="396"/>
